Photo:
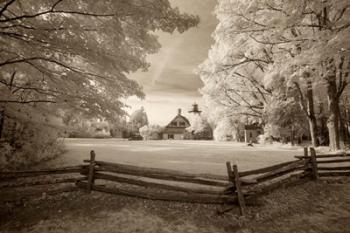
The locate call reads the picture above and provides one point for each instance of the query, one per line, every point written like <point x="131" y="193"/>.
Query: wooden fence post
<point x="240" y="195"/>
<point x="232" y="172"/>
<point x="306" y="151"/>
<point x="314" y="163"/>
<point x="229" y="172"/>
<point x="91" y="170"/>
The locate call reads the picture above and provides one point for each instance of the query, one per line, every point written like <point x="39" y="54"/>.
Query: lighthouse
<point x="195" y="109"/>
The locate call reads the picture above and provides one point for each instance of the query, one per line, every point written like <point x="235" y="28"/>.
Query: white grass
<point x="190" y="156"/>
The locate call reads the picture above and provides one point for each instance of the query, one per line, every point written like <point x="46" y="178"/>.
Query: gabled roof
<point x="177" y="117"/>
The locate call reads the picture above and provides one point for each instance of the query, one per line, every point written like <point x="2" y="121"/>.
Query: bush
<point x="151" y="132"/>
<point x="27" y="144"/>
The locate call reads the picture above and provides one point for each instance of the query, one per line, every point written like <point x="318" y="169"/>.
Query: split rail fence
<point x="238" y="187"/>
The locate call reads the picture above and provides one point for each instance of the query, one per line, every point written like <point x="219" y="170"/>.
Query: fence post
<point x="240" y="195"/>
<point x="232" y="172"/>
<point x="91" y="170"/>
<point x="306" y="151"/>
<point x="229" y="172"/>
<point x="314" y="163"/>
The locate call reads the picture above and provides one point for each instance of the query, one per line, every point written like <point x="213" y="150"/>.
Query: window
<point x="182" y="124"/>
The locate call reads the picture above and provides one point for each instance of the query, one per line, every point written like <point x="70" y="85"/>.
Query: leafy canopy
<point x="77" y="54"/>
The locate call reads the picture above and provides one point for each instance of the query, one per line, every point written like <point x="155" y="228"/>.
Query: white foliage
<point x="226" y="129"/>
<point x="150" y="132"/>
<point x="197" y="122"/>
<point x="272" y="130"/>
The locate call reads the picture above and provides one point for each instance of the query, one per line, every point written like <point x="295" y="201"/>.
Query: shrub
<point x="151" y="132"/>
<point x="26" y="144"/>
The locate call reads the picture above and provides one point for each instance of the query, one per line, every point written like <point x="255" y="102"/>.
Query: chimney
<point x="179" y="111"/>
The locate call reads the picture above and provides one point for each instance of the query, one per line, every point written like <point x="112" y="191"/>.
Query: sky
<point x="171" y="82"/>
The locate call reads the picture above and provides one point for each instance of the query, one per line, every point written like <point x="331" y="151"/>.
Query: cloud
<point x="166" y="58"/>
<point x="171" y="82"/>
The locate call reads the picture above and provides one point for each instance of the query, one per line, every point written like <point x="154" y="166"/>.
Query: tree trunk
<point x="347" y="126"/>
<point x="311" y="114"/>
<point x="333" y="120"/>
<point x="292" y="136"/>
<point x="313" y="131"/>
<point x="342" y="136"/>
<point x="308" y="107"/>
<point x="2" y="121"/>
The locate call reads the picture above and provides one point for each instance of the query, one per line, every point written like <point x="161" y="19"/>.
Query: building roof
<point x="174" y="128"/>
<point x="179" y="116"/>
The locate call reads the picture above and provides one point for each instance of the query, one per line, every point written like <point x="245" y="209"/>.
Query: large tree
<point x="291" y="36"/>
<point x="71" y="58"/>
<point x="234" y="71"/>
<point x="74" y="54"/>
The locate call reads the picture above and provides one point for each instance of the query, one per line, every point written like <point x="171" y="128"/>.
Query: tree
<point x="151" y="132"/>
<point x="296" y="34"/>
<point x="318" y="30"/>
<point x="64" y="55"/>
<point x="290" y="87"/>
<point x="228" y="129"/>
<point x="233" y="77"/>
<point x="285" y="113"/>
<point x="77" y="54"/>
<point x="138" y="119"/>
<point x="233" y="74"/>
<point x="197" y="123"/>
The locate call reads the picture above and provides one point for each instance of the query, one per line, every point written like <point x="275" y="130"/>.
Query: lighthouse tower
<point x="199" y="129"/>
<point x="195" y="109"/>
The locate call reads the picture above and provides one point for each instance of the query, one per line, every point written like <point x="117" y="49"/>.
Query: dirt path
<point x="322" y="206"/>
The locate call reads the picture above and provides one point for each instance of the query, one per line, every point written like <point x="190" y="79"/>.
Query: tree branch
<point x="6" y="6"/>
<point x="75" y="70"/>
<point x="27" y="101"/>
<point x="53" y="11"/>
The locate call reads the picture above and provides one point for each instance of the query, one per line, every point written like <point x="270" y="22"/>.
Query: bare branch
<point x="27" y="101"/>
<point x="6" y="6"/>
<point x="75" y="70"/>
<point x="53" y="11"/>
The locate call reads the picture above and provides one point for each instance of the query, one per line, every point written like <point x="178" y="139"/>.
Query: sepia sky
<point x="171" y="83"/>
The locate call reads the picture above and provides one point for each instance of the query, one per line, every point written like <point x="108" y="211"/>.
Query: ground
<point x="190" y="156"/>
<point x="313" y="206"/>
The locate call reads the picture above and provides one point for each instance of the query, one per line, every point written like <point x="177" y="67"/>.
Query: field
<point x="314" y="206"/>
<point x="190" y="156"/>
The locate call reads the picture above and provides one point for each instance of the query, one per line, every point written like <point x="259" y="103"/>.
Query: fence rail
<point x="18" y="185"/>
<point x="32" y="173"/>
<point x="170" y="185"/>
<point x="162" y="174"/>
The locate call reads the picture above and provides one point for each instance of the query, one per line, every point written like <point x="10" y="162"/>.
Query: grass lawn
<point x="189" y="156"/>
